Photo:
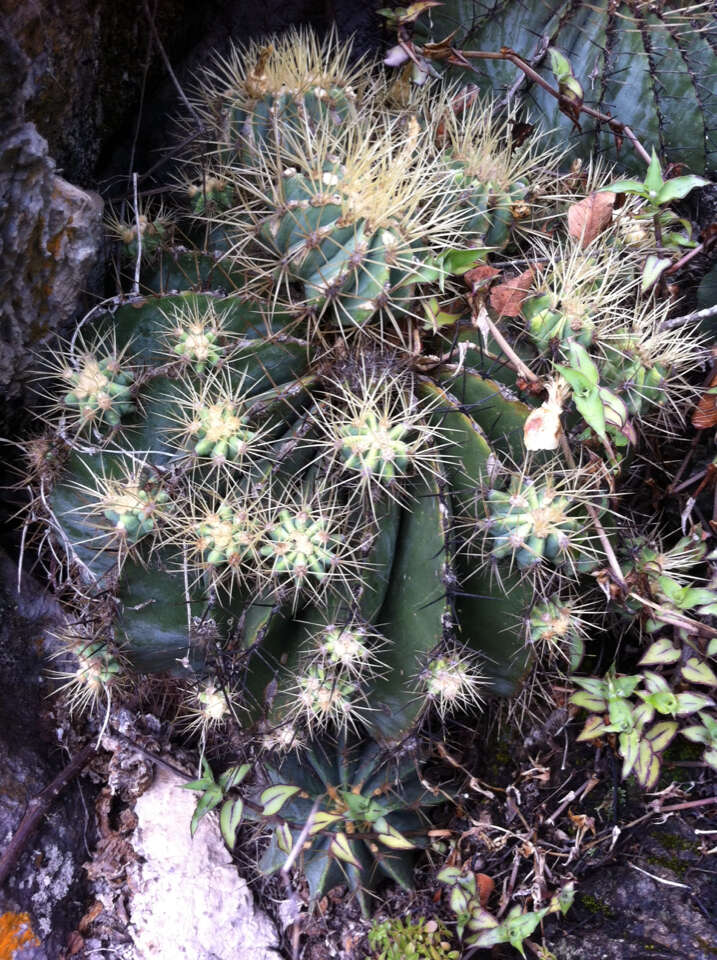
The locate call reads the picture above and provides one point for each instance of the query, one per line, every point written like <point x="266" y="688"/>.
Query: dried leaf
<point x="480" y="276"/>
<point x="705" y="416"/>
<point x="485" y="886"/>
<point x="507" y="298"/>
<point x="519" y="133"/>
<point x="460" y="103"/>
<point x="589" y="217"/>
<point x="708" y="236"/>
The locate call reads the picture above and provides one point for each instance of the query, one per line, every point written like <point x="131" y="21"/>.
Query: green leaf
<point x="230" y="818"/>
<point x="652" y="271"/>
<point x="678" y="188"/>
<point x="662" y="651"/>
<point x="284" y="838"/>
<point x="274" y="798"/>
<point x="589" y="701"/>
<point x="661" y="734"/>
<point x="690" y="702"/>
<point x="207" y="779"/>
<point x="620" y="712"/>
<point x="582" y="385"/>
<point x="664" y="701"/>
<point x="594" y="727"/>
<point x="560" y="65"/>
<point x="483" y="924"/>
<point x="233" y="776"/>
<point x="592" y="410"/>
<point x="626" y="186"/>
<point x="390" y="837"/>
<point x="322" y="821"/>
<point x="647" y="767"/>
<point x="198" y="786"/>
<point x="208" y="801"/>
<point x="653" y="177"/>
<point x="341" y="847"/>
<point x="449" y="875"/>
<point x="626" y="686"/>
<point x="458" y="262"/>
<point x="694" y="596"/>
<point x="564" y="899"/>
<point x="696" y="671"/>
<point x="696" y="734"/>
<point x="521" y="927"/>
<point x="629" y="747"/>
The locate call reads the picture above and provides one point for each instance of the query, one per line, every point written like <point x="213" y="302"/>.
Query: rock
<point x="50" y="231"/>
<point x="41" y="901"/>
<point x="188" y="899"/>
<point x="86" y="67"/>
<point x="621" y="913"/>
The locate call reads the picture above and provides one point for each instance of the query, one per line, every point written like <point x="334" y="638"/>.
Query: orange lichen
<point x="15" y="933"/>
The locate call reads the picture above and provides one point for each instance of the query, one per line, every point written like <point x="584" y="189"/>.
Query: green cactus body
<point x="548" y="323"/>
<point x="349" y="269"/>
<point x="554" y="627"/>
<point x="274" y="115"/>
<point x="221" y="433"/>
<point x="652" y="65"/>
<point x="264" y="93"/>
<point x="131" y="510"/>
<point x="367" y="825"/>
<point x="215" y="194"/>
<point x="491" y="208"/>
<point x="277" y="525"/>
<point x="639" y="382"/>
<point x="350" y="511"/>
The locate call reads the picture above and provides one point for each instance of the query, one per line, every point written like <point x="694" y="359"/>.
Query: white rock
<point x="188" y="899"/>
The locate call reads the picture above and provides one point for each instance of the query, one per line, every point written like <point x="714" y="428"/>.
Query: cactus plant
<point x="281" y="462"/>
<point x="366" y="822"/>
<point x="649" y="64"/>
<point x="269" y="475"/>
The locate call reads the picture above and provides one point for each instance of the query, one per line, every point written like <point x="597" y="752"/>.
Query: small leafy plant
<point x="397" y="938"/>
<point x="478" y="927"/>
<point x="672" y="233"/>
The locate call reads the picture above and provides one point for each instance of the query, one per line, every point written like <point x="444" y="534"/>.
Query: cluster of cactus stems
<point x="271" y="477"/>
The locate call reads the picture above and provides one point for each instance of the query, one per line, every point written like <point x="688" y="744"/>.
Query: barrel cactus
<point x="271" y="476"/>
<point x="368" y="817"/>
<point x="649" y="64"/>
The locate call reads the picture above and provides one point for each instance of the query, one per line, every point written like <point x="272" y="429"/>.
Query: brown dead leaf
<point x="507" y="298"/>
<point x="75" y="943"/>
<point x="458" y="105"/>
<point x="479" y="277"/>
<point x="485" y="886"/>
<point x="89" y="918"/>
<point x="705" y="416"/>
<point x="708" y="236"/>
<point x="589" y="217"/>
